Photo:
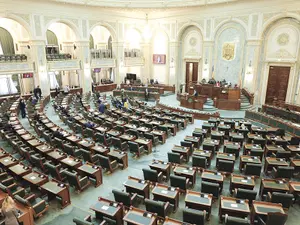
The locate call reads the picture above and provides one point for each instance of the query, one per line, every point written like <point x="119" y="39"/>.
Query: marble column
<point x="146" y="53"/>
<point x="207" y="60"/>
<point x="38" y="57"/>
<point x="82" y="53"/>
<point x="118" y="55"/>
<point x="174" y="59"/>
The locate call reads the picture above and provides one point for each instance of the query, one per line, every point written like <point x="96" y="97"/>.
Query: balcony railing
<point x="101" y="54"/>
<point x="58" y="57"/>
<point x="13" y="58"/>
<point x="132" y="53"/>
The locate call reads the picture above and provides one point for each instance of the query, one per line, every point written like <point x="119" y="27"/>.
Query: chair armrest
<point x="8" y="181"/>
<point x="12" y="185"/>
<point x="84" y="181"/>
<point x="142" y="148"/>
<point x="269" y="196"/>
<point x="114" y="163"/>
<point x="30" y="197"/>
<point x="18" y="191"/>
<point x="187" y="180"/>
<point x="3" y="175"/>
<point x="160" y="176"/>
<point x="88" y="218"/>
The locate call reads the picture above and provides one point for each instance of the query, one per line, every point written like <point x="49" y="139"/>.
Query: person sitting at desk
<point x="66" y="89"/>
<point x="146" y="94"/>
<point x="212" y="81"/>
<point x="101" y="108"/>
<point x="218" y="84"/>
<point x="58" y="134"/>
<point x="89" y="124"/>
<point x="203" y="81"/>
<point x="36" y="116"/>
<point x="156" y="81"/>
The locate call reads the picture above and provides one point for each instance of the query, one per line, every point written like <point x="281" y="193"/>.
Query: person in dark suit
<point x="23" y="108"/>
<point x="146" y="95"/>
<point x="89" y="124"/>
<point x="101" y="108"/>
<point x="37" y="92"/>
<point x="58" y="133"/>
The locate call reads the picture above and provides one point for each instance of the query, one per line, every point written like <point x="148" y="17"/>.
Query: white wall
<point x="101" y="36"/>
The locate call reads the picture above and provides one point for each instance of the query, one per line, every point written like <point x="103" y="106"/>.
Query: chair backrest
<point x="276" y="218"/>
<point x="72" y="178"/>
<point x="253" y="169"/>
<point x="186" y="144"/>
<point x="120" y="128"/>
<point x="285" y="199"/>
<point x="53" y="170"/>
<point x="193" y="216"/>
<point x="174" y="157"/>
<point x="226" y="166"/>
<point x="79" y="221"/>
<point x="295" y="141"/>
<point x="100" y="137"/>
<point x="69" y="149"/>
<point x="285" y="172"/>
<point x="230" y="220"/>
<point x="123" y="197"/>
<point x="86" y="155"/>
<point x="246" y="194"/>
<point x="199" y="161"/>
<point x="89" y="132"/>
<point x="155" y="207"/>
<point x="36" y="160"/>
<point x="104" y="161"/>
<point x="255" y="152"/>
<point x="210" y="188"/>
<point x="151" y="175"/>
<point x="133" y="147"/>
<point x="23" y="201"/>
<point x="116" y="142"/>
<point x="283" y="154"/>
<point x="178" y="181"/>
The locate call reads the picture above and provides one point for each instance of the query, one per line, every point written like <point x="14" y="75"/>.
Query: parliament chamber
<point x="171" y="112"/>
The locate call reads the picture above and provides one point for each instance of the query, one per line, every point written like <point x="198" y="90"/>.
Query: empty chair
<point x="133" y="132"/>
<point x="152" y="175"/>
<point x="89" y="221"/>
<point x="88" y="157"/>
<point x="285" y="199"/>
<point x="166" y="129"/>
<point x="38" y="205"/>
<point x="260" y="142"/>
<point x="72" y="150"/>
<point x="188" y="144"/>
<point x="253" y="169"/>
<point x="88" y="133"/>
<point x="38" y="161"/>
<point x="155" y="140"/>
<point x="283" y="172"/>
<point x="12" y="189"/>
<point x="107" y="164"/>
<point x="283" y="154"/>
<point x="58" y="143"/>
<point x="225" y="166"/>
<point x="199" y="161"/>
<point x="242" y="193"/>
<point x="280" y="132"/>
<point x="230" y="220"/>
<point x="180" y="182"/>
<point x="80" y="183"/>
<point x="162" y="209"/>
<point x="124" y="197"/>
<point x="258" y="153"/>
<point x="55" y="171"/>
<point x="78" y="129"/>
<point x="193" y="216"/>
<point x="121" y="129"/>
<point x="295" y="141"/>
<point x="117" y="143"/>
<point x="135" y="148"/>
<point x="175" y="158"/>
<point x="210" y="188"/>
<point x="26" y="152"/>
<point x="101" y="138"/>
<point x="273" y="218"/>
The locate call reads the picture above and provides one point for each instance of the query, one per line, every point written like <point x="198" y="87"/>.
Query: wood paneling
<point x="277" y="83"/>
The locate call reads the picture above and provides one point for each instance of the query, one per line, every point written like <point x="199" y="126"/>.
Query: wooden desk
<point x="99" y="149"/>
<point x="140" y="217"/>
<point x="200" y="131"/>
<point x="211" y="145"/>
<point x="146" y="143"/>
<point x="86" y="144"/>
<point x="184" y="151"/>
<point x="107" y="208"/>
<point x="54" y="188"/>
<point x="143" y="129"/>
<point x="224" y="156"/>
<point x="21" y="132"/>
<point x="27" y="137"/>
<point x="127" y="137"/>
<point x="194" y="140"/>
<point x="204" y="153"/>
<point x="162" y="136"/>
<point x="239" y="181"/>
<point x="272" y="185"/>
<point x="138" y="186"/>
<point x="92" y="171"/>
<point x="170" y="221"/>
<point x="8" y="161"/>
<point x="295" y="149"/>
<point x="294" y="189"/>
<point x="121" y="157"/>
<point x="74" y="138"/>
<point x="71" y="162"/>
<point x="244" y="159"/>
<point x="188" y="172"/>
<point x="208" y="126"/>
<point x="217" y="135"/>
<point x="44" y="148"/>
<point x="269" y="149"/>
<point x="274" y="162"/>
<point x="263" y="208"/>
<point x="102" y="129"/>
<point x="36" y="179"/>
<point x="166" y="194"/>
<point x="35" y="143"/>
<point x="199" y="201"/>
<point x="249" y="147"/>
<point x="214" y="177"/>
<point x="20" y="169"/>
<point x="3" y="153"/>
<point x="161" y="166"/>
<point x="233" y="207"/>
<point x="114" y="133"/>
<point x="56" y="155"/>
<point x="296" y="163"/>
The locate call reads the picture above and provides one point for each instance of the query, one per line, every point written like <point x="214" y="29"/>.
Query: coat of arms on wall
<point x="228" y="51"/>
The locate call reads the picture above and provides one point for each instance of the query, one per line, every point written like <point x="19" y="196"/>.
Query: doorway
<point x="277" y="83"/>
<point x="191" y="74"/>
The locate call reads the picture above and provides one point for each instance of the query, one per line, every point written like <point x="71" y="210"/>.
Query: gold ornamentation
<point x="283" y="39"/>
<point x="228" y="51"/>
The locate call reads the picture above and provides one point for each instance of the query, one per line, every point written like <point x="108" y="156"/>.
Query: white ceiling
<point x="144" y="3"/>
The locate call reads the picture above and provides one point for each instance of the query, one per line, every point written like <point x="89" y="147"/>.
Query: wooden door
<point x="191" y="74"/>
<point x="277" y="83"/>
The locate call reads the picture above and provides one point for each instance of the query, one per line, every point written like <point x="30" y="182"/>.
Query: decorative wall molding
<point x="103" y="63"/>
<point x="10" y="68"/>
<point x="25" y="17"/>
<point x="138" y="61"/>
<point x="64" y="65"/>
<point x="254" y="25"/>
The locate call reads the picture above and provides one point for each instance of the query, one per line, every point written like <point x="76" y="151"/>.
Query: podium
<point x="192" y="102"/>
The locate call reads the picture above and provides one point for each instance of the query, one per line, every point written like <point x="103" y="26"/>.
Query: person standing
<point x="37" y="92"/>
<point x="146" y="94"/>
<point x="8" y="210"/>
<point x="23" y="108"/>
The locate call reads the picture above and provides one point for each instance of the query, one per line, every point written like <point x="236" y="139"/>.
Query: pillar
<point x="118" y="55"/>
<point x="174" y="46"/>
<point x="207" y="61"/>
<point x="38" y="57"/>
<point x="82" y="53"/>
<point x="147" y="63"/>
